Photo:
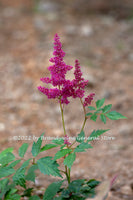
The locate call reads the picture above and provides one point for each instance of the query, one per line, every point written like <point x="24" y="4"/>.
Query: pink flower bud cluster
<point x="66" y="140"/>
<point x="62" y="87"/>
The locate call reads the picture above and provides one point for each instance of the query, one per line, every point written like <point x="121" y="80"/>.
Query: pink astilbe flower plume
<point x="61" y="87"/>
<point x="58" y="71"/>
<point x="79" y="82"/>
<point x="88" y="99"/>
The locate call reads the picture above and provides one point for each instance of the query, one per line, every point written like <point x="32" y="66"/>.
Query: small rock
<point x="86" y="30"/>
<point x="57" y="132"/>
<point x="48" y="7"/>
<point x="39" y="192"/>
<point x="126" y="189"/>
<point x="39" y="23"/>
<point x="70" y="29"/>
<point x="107" y="94"/>
<point x="131" y="185"/>
<point x="36" y="97"/>
<point x="125" y="129"/>
<point x="26" y="198"/>
<point x="2" y="126"/>
<point x="91" y="80"/>
<point x="79" y="173"/>
<point x="37" y="183"/>
<point x="131" y="57"/>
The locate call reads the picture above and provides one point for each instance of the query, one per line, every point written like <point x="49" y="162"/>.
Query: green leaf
<point x="22" y="150"/>
<point x="100" y="102"/>
<point x="35" y="197"/>
<point x="93" y="183"/>
<point x="4" y="152"/>
<point x="6" y="171"/>
<point x="106" y="108"/>
<point x="27" y="192"/>
<point x="48" y="166"/>
<point x="3" y="184"/>
<point x="6" y="158"/>
<point x="58" y="141"/>
<point x="36" y="147"/>
<point x="31" y="173"/>
<point x="13" y="197"/>
<point x="48" y="146"/>
<point x="95" y="134"/>
<point x="91" y="108"/>
<point x="89" y="114"/>
<point x="62" y="153"/>
<point x="113" y="115"/>
<point x="19" y="176"/>
<point x="69" y="160"/>
<point x="13" y="164"/>
<point x="94" y="117"/>
<point x="103" y="118"/>
<point x="80" y="138"/>
<point x="25" y="164"/>
<point x="81" y="147"/>
<point x="52" y="190"/>
<point x="57" y="198"/>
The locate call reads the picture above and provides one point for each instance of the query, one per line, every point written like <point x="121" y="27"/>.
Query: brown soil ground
<point x="104" y="48"/>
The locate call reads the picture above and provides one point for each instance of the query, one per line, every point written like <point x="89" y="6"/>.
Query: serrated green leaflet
<point x="3" y="187"/>
<point x="13" y="164"/>
<point x="113" y="115"/>
<point x="95" y="134"/>
<point x="10" y="195"/>
<point x="6" y="171"/>
<point x="106" y="108"/>
<point x="6" y="158"/>
<point x="93" y="183"/>
<point x="91" y="108"/>
<point x="48" y="146"/>
<point x="31" y="173"/>
<point x="94" y="117"/>
<point x="99" y="103"/>
<point x="57" y="198"/>
<point x="48" y="166"/>
<point x="103" y="118"/>
<point x="81" y="147"/>
<point x="89" y="114"/>
<point x="25" y="163"/>
<point x="13" y="197"/>
<point x="36" y="147"/>
<point x="4" y="152"/>
<point x="51" y="190"/>
<point x="27" y="192"/>
<point x="80" y="138"/>
<point x="19" y="177"/>
<point x="22" y="150"/>
<point x="35" y="197"/>
<point x="62" y="153"/>
<point x="58" y="141"/>
<point x="69" y="160"/>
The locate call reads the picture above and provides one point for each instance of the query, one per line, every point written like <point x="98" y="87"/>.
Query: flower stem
<point x="62" y="115"/>
<point x="67" y="174"/>
<point x="85" y="117"/>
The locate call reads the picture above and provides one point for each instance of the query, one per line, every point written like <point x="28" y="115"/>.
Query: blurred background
<point x="100" y="34"/>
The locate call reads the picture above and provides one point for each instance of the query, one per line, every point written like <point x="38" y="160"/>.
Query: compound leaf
<point x="113" y="115"/>
<point x="48" y="166"/>
<point x="22" y="150"/>
<point x="69" y="160"/>
<point x="52" y="190"/>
